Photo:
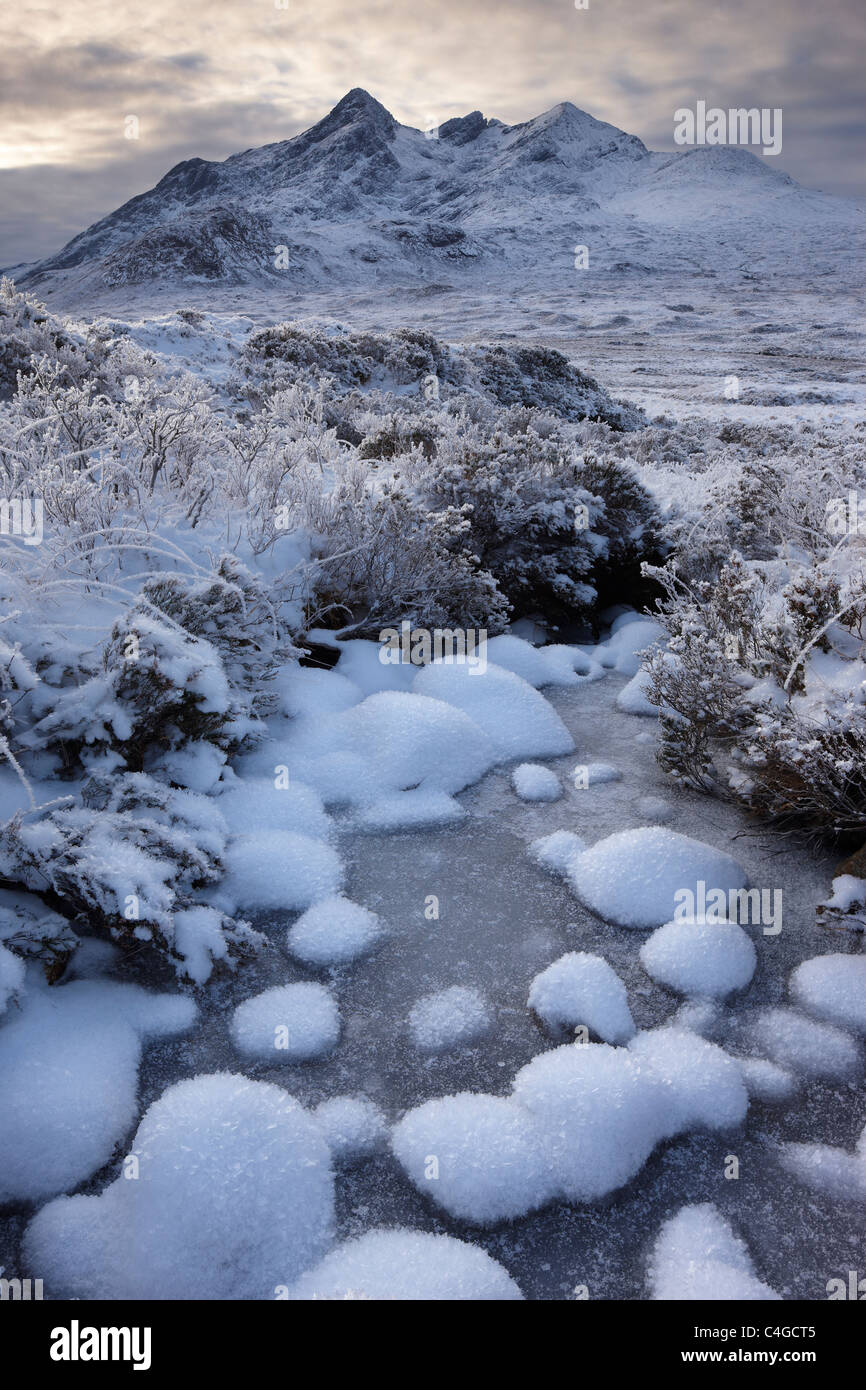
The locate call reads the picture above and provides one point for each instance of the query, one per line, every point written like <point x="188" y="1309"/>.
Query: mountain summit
<point x="359" y="199"/>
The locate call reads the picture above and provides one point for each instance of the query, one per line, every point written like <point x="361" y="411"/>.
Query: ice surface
<point x="404" y="1265"/>
<point x="580" y="988"/>
<point x="287" y="1023"/>
<point x="633" y="876"/>
<point x="69" y="1078"/>
<point x="833" y="988"/>
<point x="231" y="1197"/>
<point x="353" y="1126"/>
<point x="532" y="782"/>
<point x="518" y="721"/>
<point x="450" y="1018"/>
<point x="697" y="957"/>
<point x="334" y="931"/>
<point x="697" y="1256"/>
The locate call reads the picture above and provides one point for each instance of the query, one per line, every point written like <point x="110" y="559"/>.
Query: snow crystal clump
<point x="333" y="932"/>
<point x="833" y="988"/>
<point x="287" y="1023"/>
<point x="553" y="665"/>
<point x="409" y="740"/>
<point x="409" y="810"/>
<point x="12" y="972"/>
<point x="767" y="1082"/>
<point x="630" y="635"/>
<point x="557" y="851"/>
<point x="68" y="1080"/>
<point x="532" y="782"/>
<point x="654" y="808"/>
<point x="592" y="774"/>
<point x="580" y="988"/>
<point x="704" y="1084"/>
<point x="233" y="1199"/>
<point x="489" y="1160"/>
<point x="403" y="1265"/>
<point x="634" y="697"/>
<point x="815" y="1050"/>
<point x="518" y="721"/>
<point x="634" y="877"/>
<point x="697" y="957"/>
<point x="449" y="1018"/>
<point x="280" y="870"/>
<point x="829" y="1169"/>
<point x="353" y="1127"/>
<point x="697" y="1256"/>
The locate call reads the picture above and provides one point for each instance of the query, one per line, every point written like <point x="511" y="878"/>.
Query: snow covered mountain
<point x="360" y="199"/>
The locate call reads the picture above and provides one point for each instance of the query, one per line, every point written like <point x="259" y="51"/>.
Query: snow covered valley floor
<point x="502" y="919"/>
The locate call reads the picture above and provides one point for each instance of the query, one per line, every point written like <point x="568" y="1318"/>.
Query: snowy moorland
<point x="333" y="968"/>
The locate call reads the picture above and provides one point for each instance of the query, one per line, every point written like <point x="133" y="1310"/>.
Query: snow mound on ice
<point x="480" y="1157"/>
<point x="409" y="740"/>
<point x="833" y="988"/>
<point x="704" y="1084"/>
<point x="816" y="1050"/>
<point x="280" y="870"/>
<point x="532" y="782"/>
<point x="410" y="810"/>
<point x="333" y="932"/>
<point x="582" y="1121"/>
<point x="353" y="1127"/>
<point x="68" y="1079"/>
<point x="767" y="1082"/>
<point x="620" y="651"/>
<point x="287" y="1023"/>
<point x="256" y="804"/>
<point x="553" y="665"/>
<point x="828" y="1169"/>
<point x="582" y="988"/>
<point x="308" y="693"/>
<point x="634" y="697"/>
<point x="449" y="1018"/>
<point x="598" y="1112"/>
<point x="632" y="877"/>
<point x="518" y="721"/>
<point x="697" y="957"/>
<point x="234" y="1198"/>
<point x="593" y="774"/>
<point x="654" y="808"/>
<point x="360" y="663"/>
<point x="557" y="851"/>
<point x="697" y="1256"/>
<point x="403" y="1265"/>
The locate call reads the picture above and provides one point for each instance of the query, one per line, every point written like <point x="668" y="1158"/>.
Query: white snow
<point x="634" y="699"/>
<point x="233" y="1200"/>
<point x="449" y="1018"/>
<point x="833" y="988"/>
<point x="518" y="721"/>
<point x="551" y="665"/>
<point x="654" y="808"/>
<point x="557" y="851"/>
<point x="333" y="932"/>
<point x="287" y="1023"/>
<point x="410" y="810"/>
<point x="697" y="957"/>
<point x="353" y="1126"/>
<point x="264" y="804"/>
<point x="592" y="774"/>
<point x="402" y="1265"/>
<point x="278" y="869"/>
<point x="68" y="1079"/>
<point x="697" y="1257"/>
<point x="767" y="1082"/>
<point x="580" y="988"/>
<point x="488" y="1157"/>
<point x="632" y="877"/>
<point x="816" y="1050"/>
<point x="532" y="782"/>
<point x="630" y="635"/>
<point x="12" y="972"/>
<point x="828" y="1169"/>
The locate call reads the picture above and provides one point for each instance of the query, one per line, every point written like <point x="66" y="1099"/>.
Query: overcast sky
<point x="211" y="77"/>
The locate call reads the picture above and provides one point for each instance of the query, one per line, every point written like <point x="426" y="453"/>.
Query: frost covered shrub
<point x="385" y="556"/>
<point x="539" y="518"/>
<point x="131" y="859"/>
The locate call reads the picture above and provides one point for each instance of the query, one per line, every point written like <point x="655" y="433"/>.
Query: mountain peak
<point x="358" y="105"/>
